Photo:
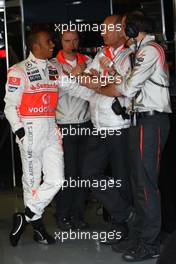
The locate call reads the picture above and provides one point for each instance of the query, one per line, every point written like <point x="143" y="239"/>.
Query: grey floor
<point x="71" y="251"/>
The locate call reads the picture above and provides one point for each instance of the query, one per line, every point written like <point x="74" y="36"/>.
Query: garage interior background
<point x="16" y="16"/>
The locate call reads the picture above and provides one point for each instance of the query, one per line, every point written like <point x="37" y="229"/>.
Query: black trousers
<point x="111" y="151"/>
<point x="71" y="200"/>
<point x="147" y="141"/>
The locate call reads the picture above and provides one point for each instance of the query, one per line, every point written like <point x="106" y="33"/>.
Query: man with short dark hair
<point x="31" y="99"/>
<point x="148" y="86"/>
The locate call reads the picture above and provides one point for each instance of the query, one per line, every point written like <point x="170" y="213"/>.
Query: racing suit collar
<point x="41" y="63"/>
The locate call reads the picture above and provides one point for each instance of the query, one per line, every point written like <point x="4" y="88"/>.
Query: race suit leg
<point x="41" y="151"/>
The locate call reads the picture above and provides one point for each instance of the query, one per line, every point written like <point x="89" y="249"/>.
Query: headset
<point x="131" y="30"/>
<point x="137" y="22"/>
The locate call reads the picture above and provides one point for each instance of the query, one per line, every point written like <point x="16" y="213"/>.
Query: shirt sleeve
<point x="14" y="91"/>
<point x="94" y="64"/>
<point x="72" y="87"/>
<point x="145" y="65"/>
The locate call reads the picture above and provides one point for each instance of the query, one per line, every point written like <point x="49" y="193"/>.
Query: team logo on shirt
<point x="140" y="59"/>
<point x="12" y="88"/>
<point x="28" y="65"/>
<point x="38" y="86"/>
<point x="46" y="99"/>
<point x="33" y="72"/>
<point x="35" y="77"/>
<point x="53" y="74"/>
<point x="14" y="81"/>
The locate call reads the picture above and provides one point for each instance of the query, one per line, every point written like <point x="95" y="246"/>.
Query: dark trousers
<point x="147" y="141"/>
<point x="110" y="151"/>
<point x="71" y="200"/>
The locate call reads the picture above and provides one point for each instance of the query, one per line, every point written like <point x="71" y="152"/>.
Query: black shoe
<point x="40" y="234"/>
<point x="121" y="246"/>
<point x="140" y="252"/>
<point x="116" y="234"/>
<point x="19" y="225"/>
<point x="65" y="224"/>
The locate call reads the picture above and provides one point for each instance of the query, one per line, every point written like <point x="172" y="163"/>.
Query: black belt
<point x="149" y="113"/>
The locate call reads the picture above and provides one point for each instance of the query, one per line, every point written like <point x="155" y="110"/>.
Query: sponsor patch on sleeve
<point x="14" y="81"/>
<point x="12" y="88"/>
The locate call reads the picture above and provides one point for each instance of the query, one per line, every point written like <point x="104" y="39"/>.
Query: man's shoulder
<point x="25" y="64"/>
<point x="151" y="50"/>
<point x="126" y="51"/>
<point x="153" y="46"/>
<point x="18" y="67"/>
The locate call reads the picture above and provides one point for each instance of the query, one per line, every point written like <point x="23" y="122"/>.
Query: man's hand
<point x="78" y="69"/>
<point x="94" y="72"/>
<point x="90" y="82"/>
<point x="105" y="63"/>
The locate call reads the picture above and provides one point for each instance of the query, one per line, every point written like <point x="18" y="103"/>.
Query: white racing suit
<point x="31" y="99"/>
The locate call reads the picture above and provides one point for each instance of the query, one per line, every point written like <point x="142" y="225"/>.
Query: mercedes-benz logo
<point x="28" y="65"/>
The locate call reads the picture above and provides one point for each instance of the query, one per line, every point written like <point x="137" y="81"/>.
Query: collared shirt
<point x="71" y="109"/>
